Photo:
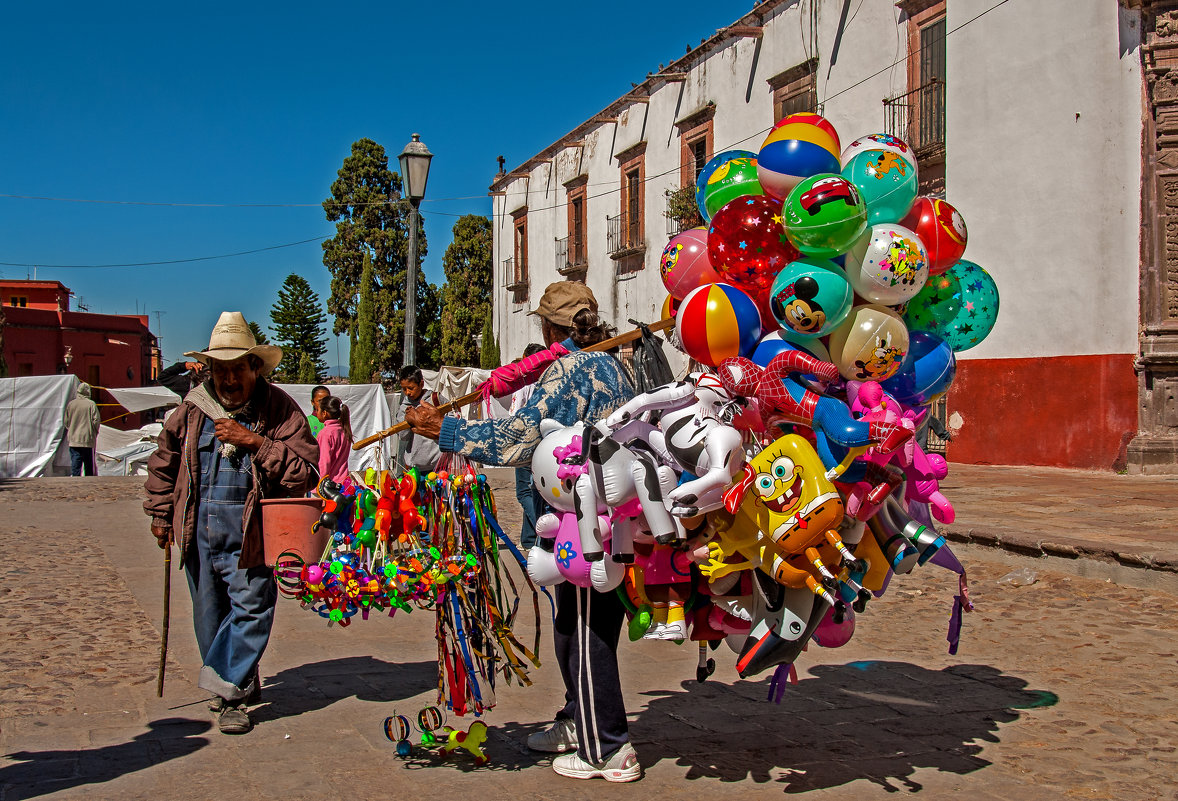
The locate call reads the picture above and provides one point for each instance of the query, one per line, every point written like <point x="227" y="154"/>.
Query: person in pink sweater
<point x="335" y="439"/>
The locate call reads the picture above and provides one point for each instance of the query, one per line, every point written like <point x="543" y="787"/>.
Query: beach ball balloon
<point x="810" y="297"/>
<point x="936" y="305"/>
<point x="824" y="216"/>
<point x="716" y="322"/>
<point x="979" y="307"/>
<point x="870" y="344"/>
<point x="799" y="146"/>
<point x="781" y="341"/>
<point x="879" y="141"/>
<point x="887" y="265"/>
<point x="926" y="372"/>
<point x="941" y="228"/>
<point x="886" y="181"/>
<point x="733" y="178"/>
<point x="713" y="164"/>
<point x="684" y="265"/>
<point x="747" y="244"/>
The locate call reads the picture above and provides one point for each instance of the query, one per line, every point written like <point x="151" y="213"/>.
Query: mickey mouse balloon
<point x="810" y="297"/>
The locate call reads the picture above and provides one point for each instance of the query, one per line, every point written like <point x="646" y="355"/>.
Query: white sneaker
<point x="622" y="766"/>
<point x="558" y="738"/>
<point x="674" y="631"/>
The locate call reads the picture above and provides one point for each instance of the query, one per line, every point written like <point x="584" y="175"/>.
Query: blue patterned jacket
<point x="583" y="385"/>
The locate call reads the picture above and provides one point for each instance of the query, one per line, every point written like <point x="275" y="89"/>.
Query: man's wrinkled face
<point x="234" y="381"/>
<point x="412" y="389"/>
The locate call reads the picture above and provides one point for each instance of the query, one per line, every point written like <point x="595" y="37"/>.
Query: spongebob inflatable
<point x="785" y="518"/>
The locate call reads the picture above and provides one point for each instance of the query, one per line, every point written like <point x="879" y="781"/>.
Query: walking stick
<point x="471" y="397"/>
<point x="159" y="684"/>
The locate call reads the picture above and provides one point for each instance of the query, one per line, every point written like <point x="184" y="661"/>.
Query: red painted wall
<point x="120" y="348"/>
<point x="1063" y="411"/>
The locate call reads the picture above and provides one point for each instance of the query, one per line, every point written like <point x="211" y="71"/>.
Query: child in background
<point x="335" y="438"/>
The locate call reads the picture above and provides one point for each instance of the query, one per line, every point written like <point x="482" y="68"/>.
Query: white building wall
<point x="1051" y="200"/>
<point x="1044" y="114"/>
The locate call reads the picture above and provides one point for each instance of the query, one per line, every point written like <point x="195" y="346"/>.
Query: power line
<point x="159" y="263"/>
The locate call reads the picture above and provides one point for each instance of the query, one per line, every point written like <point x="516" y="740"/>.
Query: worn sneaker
<point x="233" y="719"/>
<point x="558" y="738"/>
<point x="622" y="766"/>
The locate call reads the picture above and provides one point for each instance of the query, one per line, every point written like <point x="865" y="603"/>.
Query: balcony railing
<point x="513" y="278"/>
<point x="681" y="211"/>
<point x="562" y="254"/>
<point x="622" y="235"/>
<point x="570" y="256"/>
<point x="918" y="117"/>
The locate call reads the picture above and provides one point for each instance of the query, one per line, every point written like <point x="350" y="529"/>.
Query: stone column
<point x="1155" y="448"/>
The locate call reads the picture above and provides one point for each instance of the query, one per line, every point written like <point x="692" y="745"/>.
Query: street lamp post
<point x="414" y="160"/>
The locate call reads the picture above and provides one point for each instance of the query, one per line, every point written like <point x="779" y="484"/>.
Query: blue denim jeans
<point x="232" y="608"/>
<point x="82" y="459"/>
<point x="530" y="501"/>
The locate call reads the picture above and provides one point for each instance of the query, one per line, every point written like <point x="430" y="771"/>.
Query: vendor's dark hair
<point x="411" y="372"/>
<point x="255" y="361"/>
<point x="533" y="349"/>
<point x="336" y="409"/>
<point x="320" y="387"/>
<point x="587" y="329"/>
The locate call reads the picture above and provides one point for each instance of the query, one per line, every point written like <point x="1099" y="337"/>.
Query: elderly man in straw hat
<point x="234" y="440"/>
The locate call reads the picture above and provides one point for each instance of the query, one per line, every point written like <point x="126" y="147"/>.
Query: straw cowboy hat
<point x="231" y="339"/>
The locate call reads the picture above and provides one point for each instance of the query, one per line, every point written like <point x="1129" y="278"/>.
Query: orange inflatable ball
<point x="869" y="344"/>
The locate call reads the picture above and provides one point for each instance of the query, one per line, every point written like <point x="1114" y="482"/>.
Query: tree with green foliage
<point x="306" y="373"/>
<point x="363" y="362"/>
<point x="372" y="219"/>
<point x="259" y="334"/>
<point x="489" y="357"/>
<point x="297" y="320"/>
<point x="466" y="295"/>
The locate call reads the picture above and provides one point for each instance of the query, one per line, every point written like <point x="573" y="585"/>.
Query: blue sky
<point x="254" y="103"/>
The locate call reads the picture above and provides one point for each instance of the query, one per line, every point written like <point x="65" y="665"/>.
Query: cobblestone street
<point x="1060" y="689"/>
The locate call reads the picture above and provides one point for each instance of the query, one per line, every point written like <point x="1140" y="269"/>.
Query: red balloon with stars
<point x="747" y="243"/>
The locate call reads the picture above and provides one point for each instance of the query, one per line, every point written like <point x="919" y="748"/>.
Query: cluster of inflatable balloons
<point x="768" y="497"/>
<point x="427" y="542"/>
<point x="832" y="251"/>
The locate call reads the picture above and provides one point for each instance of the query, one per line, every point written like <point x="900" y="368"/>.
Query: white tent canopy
<point x="140" y="399"/>
<point x="32" y="432"/>
<point x="367" y="407"/>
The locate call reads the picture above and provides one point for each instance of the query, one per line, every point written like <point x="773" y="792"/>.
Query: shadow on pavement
<point x="316" y="685"/>
<point x="878" y="721"/>
<point x="41" y="772"/>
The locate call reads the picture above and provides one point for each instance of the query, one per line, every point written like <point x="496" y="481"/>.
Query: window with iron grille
<point x="521" y="250"/>
<point x="577" y="230"/>
<point x="699" y="155"/>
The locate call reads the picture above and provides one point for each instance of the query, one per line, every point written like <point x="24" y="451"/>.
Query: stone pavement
<point x="1061" y="689"/>
<point x="1043" y="511"/>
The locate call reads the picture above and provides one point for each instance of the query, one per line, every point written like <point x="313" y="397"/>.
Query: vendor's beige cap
<point x="231" y="339"/>
<point x="562" y="301"/>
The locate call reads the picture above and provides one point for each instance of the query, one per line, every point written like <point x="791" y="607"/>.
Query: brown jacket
<point x="284" y="467"/>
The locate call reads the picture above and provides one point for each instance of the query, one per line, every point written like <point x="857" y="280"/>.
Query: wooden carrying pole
<point x="471" y="397"/>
